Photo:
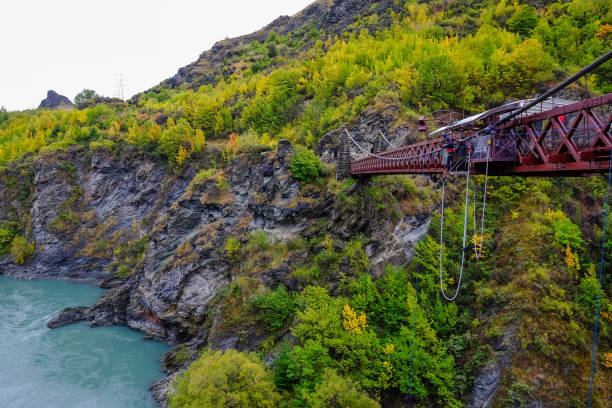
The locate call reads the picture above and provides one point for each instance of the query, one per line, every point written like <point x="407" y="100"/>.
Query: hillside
<point x="300" y="32"/>
<point x="209" y="207"/>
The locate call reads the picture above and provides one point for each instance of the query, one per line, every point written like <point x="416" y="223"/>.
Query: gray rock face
<point x="78" y="199"/>
<point x="486" y="385"/>
<point x="86" y="204"/>
<point x="487" y="382"/>
<point x="54" y="101"/>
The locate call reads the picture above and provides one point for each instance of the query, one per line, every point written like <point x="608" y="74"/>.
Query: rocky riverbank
<point x="89" y="207"/>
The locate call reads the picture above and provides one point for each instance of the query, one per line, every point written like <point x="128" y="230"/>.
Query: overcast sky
<point x="68" y="45"/>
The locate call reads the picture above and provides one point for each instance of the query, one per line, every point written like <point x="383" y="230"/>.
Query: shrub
<point x="232" y="248"/>
<point x="230" y="379"/>
<point x="200" y="177"/>
<point x="101" y="144"/>
<point x="8" y="230"/>
<point x="335" y="391"/>
<point x="258" y="240"/>
<point x="59" y="145"/>
<point x="518" y="393"/>
<point x="21" y="249"/>
<point x="305" y="165"/>
<point x="276" y="308"/>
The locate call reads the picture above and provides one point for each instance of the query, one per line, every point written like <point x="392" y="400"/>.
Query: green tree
<point x="85" y="98"/>
<point x="305" y="165"/>
<point x="230" y="379"/>
<point x="523" y="20"/>
<point x="276" y="308"/>
<point x="335" y="391"/>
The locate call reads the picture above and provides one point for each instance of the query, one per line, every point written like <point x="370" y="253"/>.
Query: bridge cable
<point x="603" y="247"/>
<point x="389" y="158"/>
<point x="478" y="251"/>
<point x="465" y="222"/>
<point x="416" y="291"/>
<point x="387" y="140"/>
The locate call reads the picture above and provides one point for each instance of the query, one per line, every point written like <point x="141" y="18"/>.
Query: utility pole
<point x="120" y="83"/>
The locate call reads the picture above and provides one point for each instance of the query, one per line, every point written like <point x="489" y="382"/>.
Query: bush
<point x="230" y="379"/>
<point x="200" y="177"/>
<point x="21" y="249"/>
<point x="335" y="391"/>
<point x="101" y="144"/>
<point x="8" y="230"/>
<point x="305" y="165"/>
<point x="232" y="248"/>
<point x="59" y="145"/>
<point x="258" y="241"/>
<point x="276" y="308"/>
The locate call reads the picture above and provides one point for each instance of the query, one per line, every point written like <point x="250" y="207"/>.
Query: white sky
<point x="68" y="45"/>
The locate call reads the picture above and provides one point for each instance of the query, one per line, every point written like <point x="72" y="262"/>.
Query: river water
<point x="74" y="366"/>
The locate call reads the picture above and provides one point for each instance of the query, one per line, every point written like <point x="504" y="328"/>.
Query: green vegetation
<point x="129" y="256"/>
<point x="305" y="165"/>
<point x="276" y="308"/>
<point x="466" y="65"/>
<point x="8" y="231"/>
<point x="21" y="249"/>
<point x="351" y="323"/>
<point x="337" y="392"/>
<point x="229" y="379"/>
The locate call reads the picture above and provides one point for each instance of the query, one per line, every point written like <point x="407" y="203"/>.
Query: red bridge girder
<point x="572" y="140"/>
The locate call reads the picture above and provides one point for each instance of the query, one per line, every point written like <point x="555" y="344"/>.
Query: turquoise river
<point x="74" y="366"/>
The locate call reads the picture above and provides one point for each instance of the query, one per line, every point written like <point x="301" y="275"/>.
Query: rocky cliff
<point x="156" y="239"/>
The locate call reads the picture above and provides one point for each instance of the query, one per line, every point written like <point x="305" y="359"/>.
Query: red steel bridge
<point x="570" y="140"/>
<point x="574" y="139"/>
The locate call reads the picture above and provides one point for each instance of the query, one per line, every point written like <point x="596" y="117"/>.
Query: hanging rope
<point x="416" y="290"/>
<point x="387" y="140"/>
<point x="603" y="247"/>
<point x="465" y="222"/>
<point x="478" y="251"/>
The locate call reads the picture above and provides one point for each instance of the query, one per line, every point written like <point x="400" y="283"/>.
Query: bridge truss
<point x="571" y="140"/>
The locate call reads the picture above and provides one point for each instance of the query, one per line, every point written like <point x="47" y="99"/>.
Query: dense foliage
<point x="353" y="338"/>
<point x="415" y="61"/>
<point x="229" y="379"/>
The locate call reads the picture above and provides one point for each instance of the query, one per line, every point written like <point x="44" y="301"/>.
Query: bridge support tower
<point x="343" y="164"/>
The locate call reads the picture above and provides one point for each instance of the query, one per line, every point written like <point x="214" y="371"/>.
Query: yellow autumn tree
<point x="353" y="322"/>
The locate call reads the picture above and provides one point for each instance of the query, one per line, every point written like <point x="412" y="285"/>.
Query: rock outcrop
<point x="55" y="101"/>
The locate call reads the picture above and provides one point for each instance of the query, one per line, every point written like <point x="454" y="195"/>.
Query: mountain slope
<point x="317" y="21"/>
<point x="216" y="227"/>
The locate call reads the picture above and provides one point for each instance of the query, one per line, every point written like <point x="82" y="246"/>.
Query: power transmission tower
<point x="120" y="82"/>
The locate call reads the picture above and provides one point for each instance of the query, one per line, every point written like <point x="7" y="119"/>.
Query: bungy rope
<point x="603" y="247"/>
<point x="478" y="247"/>
<point x="416" y="290"/>
<point x="465" y="222"/>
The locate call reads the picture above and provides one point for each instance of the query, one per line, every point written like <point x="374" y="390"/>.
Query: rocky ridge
<point x="55" y="101"/>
